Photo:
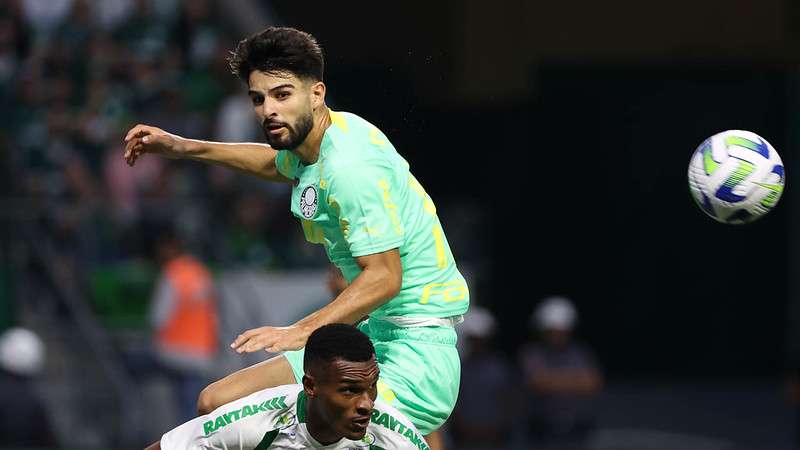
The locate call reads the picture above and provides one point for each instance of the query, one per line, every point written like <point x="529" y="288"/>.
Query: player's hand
<point x="143" y="139"/>
<point x="271" y="339"/>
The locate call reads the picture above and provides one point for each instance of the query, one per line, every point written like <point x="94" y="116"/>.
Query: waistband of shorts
<point x="382" y="330"/>
<point x="403" y="321"/>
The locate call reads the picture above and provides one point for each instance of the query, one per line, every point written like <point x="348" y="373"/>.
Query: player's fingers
<point x="238" y="342"/>
<point x="254" y="345"/>
<point x="137" y="150"/>
<point x="133" y="132"/>
<point x="275" y="348"/>
<point x="242" y="339"/>
<point x="154" y="139"/>
<point x="137" y="131"/>
<point x="131" y="155"/>
<point x="129" y="148"/>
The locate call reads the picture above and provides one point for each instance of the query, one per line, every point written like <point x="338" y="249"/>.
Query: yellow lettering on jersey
<point x="339" y="120"/>
<point x="322" y="183"/>
<point x="372" y="231"/>
<point x="441" y="255"/>
<point x="452" y="291"/>
<point x="376" y="138"/>
<point x="427" y="203"/>
<point x="344" y="224"/>
<point x="312" y="232"/>
<point x="391" y="208"/>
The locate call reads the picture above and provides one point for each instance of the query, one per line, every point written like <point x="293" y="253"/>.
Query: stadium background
<point x="554" y="139"/>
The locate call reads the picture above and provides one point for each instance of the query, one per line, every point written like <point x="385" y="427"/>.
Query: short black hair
<point x="279" y="49"/>
<point x="337" y="341"/>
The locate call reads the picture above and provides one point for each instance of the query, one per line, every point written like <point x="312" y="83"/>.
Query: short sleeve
<point x="244" y="423"/>
<point x="366" y="200"/>
<point x="286" y="163"/>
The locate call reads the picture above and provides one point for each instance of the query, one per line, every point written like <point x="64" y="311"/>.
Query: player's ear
<point x="318" y="90"/>
<point x="309" y="386"/>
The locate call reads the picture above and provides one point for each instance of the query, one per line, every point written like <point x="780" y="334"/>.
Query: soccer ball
<point x="736" y="176"/>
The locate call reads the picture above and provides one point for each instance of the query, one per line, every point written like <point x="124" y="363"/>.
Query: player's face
<point x="346" y="396"/>
<point x="284" y="105"/>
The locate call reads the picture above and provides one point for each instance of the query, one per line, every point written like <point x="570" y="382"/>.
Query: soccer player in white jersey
<point x="336" y="407"/>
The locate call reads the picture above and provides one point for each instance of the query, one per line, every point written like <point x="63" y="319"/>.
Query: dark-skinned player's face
<point x="344" y="394"/>
<point x="284" y="105"/>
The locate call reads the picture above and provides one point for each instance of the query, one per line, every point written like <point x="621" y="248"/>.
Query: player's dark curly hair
<point x="276" y="50"/>
<point x="337" y="341"/>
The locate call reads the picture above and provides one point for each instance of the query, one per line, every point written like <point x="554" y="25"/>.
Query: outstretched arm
<point x="379" y="281"/>
<point x="155" y="446"/>
<point x="251" y="158"/>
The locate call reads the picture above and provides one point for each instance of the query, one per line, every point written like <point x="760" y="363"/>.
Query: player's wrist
<point x="188" y="148"/>
<point x="305" y="328"/>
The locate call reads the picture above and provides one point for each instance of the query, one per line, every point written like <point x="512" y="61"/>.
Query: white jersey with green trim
<point x="275" y="418"/>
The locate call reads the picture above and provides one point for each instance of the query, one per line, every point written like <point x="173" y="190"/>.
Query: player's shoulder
<point x="350" y="124"/>
<point x="271" y="400"/>
<point x="356" y="139"/>
<point x="389" y="428"/>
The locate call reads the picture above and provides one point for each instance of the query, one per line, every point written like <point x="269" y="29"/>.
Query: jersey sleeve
<point x="286" y="163"/>
<point x="366" y="199"/>
<point x="243" y="424"/>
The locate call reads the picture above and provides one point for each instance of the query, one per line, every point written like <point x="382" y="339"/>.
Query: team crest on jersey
<point x="285" y="420"/>
<point x="308" y="202"/>
<point x="365" y="442"/>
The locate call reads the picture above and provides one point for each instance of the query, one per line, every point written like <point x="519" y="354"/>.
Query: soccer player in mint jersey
<point x="336" y="407"/>
<point x="353" y="193"/>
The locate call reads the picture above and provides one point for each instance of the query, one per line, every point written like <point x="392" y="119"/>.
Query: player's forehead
<point x="263" y="82"/>
<point x="343" y="371"/>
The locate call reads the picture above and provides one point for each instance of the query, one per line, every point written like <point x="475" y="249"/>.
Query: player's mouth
<point x="275" y="127"/>
<point x="360" y="423"/>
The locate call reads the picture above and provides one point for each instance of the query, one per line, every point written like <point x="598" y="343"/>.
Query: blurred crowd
<point x="542" y="398"/>
<point x="75" y="75"/>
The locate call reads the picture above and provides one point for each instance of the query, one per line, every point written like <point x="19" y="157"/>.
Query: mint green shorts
<point x="420" y="370"/>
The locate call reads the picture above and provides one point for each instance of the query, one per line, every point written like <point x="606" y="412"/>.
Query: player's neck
<point x="308" y="151"/>
<point x="316" y="426"/>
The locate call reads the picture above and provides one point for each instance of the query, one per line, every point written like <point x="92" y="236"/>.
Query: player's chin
<point x="355" y="431"/>
<point x="277" y="144"/>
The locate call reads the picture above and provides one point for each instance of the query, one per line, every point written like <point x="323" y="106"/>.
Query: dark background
<point x="579" y="174"/>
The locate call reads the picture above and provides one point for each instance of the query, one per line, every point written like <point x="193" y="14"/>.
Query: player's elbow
<point x="392" y="284"/>
<point x="208" y="400"/>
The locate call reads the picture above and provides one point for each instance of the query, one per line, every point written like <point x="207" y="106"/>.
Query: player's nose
<point x="268" y="108"/>
<point x="364" y="404"/>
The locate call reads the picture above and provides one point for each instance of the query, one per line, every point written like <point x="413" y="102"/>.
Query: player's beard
<point x="295" y="134"/>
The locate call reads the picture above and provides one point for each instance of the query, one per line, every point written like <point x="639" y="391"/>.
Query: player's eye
<point x="282" y="95"/>
<point x="257" y="100"/>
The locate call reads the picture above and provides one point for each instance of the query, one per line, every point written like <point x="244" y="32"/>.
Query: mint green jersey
<point x="360" y="198"/>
